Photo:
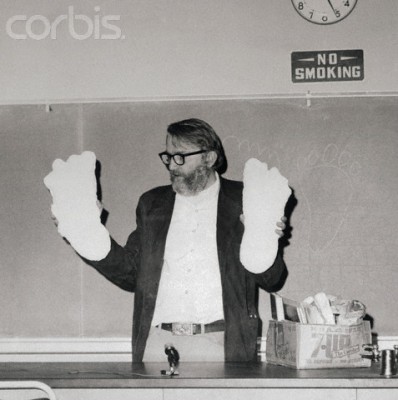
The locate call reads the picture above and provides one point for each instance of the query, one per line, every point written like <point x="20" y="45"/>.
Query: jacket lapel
<point x="227" y="214"/>
<point x="160" y="215"/>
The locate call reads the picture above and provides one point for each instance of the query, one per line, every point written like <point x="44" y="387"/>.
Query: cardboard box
<point x="306" y="346"/>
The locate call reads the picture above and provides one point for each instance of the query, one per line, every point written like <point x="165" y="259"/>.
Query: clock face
<point x="324" y="12"/>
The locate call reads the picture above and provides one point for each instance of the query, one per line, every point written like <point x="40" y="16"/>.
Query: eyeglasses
<point x="179" y="158"/>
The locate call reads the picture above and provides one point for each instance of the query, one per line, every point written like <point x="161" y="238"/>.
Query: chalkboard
<point x="339" y="155"/>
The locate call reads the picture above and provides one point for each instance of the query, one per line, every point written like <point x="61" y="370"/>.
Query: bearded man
<point x="182" y="261"/>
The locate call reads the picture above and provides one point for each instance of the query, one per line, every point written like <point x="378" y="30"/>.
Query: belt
<point x="188" y="329"/>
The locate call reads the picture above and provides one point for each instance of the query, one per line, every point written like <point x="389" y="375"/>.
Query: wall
<point x="187" y="48"/>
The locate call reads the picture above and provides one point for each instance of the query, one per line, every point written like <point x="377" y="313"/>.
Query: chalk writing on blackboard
<point x="246" y="149"/>
<point x="327" y="186"/>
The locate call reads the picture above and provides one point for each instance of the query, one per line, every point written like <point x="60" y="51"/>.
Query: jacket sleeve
<point x="121" y="264"/>
<point x="274" y="277"/>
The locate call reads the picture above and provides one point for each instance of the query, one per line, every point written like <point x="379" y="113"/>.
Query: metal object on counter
<point x="173" y="358"/>
<point x="388" y="363"/>
<point x="374" y="354"/>
<point x="388" y="357"/>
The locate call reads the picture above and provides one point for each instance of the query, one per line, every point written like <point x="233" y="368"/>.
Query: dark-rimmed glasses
<point x="179" y="158"/>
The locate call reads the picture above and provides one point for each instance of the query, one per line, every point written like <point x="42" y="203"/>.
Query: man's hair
<point x="201" y="134"/>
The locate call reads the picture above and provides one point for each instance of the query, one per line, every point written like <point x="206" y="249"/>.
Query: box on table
<point x="307" y="346"/>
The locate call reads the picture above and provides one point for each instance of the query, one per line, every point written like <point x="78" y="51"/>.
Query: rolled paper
<point x="265" y="193"/>
<point x="323" y="304"/>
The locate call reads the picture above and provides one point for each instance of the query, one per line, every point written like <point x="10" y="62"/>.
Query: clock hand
<point x="331" y="5"/>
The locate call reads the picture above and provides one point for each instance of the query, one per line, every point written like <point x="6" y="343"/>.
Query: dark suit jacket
<point x="137" y="268"/>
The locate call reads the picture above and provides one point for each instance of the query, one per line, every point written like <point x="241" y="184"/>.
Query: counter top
<point x="193" y="375"/>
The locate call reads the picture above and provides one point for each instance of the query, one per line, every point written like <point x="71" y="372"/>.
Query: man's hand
<point x="282" y="226"/>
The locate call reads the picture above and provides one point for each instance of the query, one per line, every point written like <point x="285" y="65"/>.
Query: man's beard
<point x="190" y="184"/>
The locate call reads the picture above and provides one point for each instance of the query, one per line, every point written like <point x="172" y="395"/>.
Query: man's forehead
<point x="180" y="144"/>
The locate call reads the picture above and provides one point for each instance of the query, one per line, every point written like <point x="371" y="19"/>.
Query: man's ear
<point x="211" y="158"/>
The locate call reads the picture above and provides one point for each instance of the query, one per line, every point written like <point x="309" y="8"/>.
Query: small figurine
<point x="173" y="358"/>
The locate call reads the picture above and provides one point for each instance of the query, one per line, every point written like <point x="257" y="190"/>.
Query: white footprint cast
<point x="327" y="186"/>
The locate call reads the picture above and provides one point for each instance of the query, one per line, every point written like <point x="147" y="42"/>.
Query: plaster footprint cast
<point x="265" y="193"/>
<point x="73" y="187"/>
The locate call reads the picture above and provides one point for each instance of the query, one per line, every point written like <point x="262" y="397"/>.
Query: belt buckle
<point x="182" y="329"/>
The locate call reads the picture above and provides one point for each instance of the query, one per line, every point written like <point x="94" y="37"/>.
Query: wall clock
<point x="324" y="12"/>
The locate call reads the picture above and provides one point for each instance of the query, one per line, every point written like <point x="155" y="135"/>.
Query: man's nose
<point x="173" y="165"/>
